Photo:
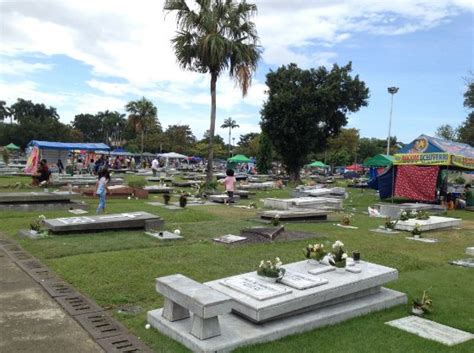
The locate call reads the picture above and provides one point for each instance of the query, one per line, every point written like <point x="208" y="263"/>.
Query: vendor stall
<point x="420" y="169"/>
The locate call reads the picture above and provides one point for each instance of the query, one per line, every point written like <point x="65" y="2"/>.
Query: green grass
<point x="119" y="268"/>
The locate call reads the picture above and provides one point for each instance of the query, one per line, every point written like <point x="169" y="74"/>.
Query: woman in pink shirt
<point x="229" y="185"/>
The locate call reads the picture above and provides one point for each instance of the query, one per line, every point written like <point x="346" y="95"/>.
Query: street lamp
<point x="392" y="91"/>
<point x="233" y="144"/>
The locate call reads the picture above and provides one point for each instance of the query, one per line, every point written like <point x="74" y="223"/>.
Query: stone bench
<point x="184" y="295"/>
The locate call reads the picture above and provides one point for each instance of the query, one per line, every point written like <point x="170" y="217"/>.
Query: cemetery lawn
<point x="118" y="269"/>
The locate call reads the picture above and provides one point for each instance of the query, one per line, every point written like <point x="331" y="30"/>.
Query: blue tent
<point x="69" y="146"/>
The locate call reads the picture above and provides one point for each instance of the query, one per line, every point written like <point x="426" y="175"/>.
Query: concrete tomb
<point x="39" y="201"/>
<point x="464" y="263"/>
<point x="394" y="210"/>
<point x="258" y="186"/>
<point x="319" y="191"/>
<point x="132" y="220"/>
<point x="222" y="198"/>
<point x="433" y="223"/>
<point x="304" y="202"/>
<point x="158" y="189"/>
<point x="296" y="215"/>
<point x="470" y="251"/>
<point x="267" y="232"/>
<point x="431" y="330"/>
<point x="263" y="311"/>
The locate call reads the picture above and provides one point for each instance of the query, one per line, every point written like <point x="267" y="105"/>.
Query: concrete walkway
<point x="31" y="321"/>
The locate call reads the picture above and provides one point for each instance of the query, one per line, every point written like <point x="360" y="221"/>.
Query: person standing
<point x="101" y="189"/>
<point x="154" y="166"/>
<point x="229" y="185"/>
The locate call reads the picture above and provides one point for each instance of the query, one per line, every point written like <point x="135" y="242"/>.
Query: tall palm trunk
<point x="142" y="143"/>
<point x="212" y="128"/>
<point x="230" y="132"/>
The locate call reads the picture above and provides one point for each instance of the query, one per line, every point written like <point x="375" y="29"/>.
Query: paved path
<point x="31" y="321"/>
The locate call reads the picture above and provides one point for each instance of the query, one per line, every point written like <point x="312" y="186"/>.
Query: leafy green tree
<point x="447" y="132"/>
<point x="369" y="147"/>
<point x="249" y="144"/>
<point x="112" y="126"/>
<point x="231" y="124"/>
<point x="466" y="130"/>
<point x="5" y="112"/>
<point x="347" y="141"/>
<point x="178" y="138"/>
<point x="90" y="126"/>
<point x="36" y="122"/>
<point x="142" y="116"/>
<point x="305" y="107"/>
<point x="264" y="155"/>
<point x="217" y="36"/>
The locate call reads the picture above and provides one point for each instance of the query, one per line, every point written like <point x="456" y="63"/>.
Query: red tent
<point x="355" y="168"/>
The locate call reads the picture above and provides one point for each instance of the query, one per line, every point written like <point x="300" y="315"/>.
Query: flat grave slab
<point x="78" y="211"/>
<point x="229" y="239"/>
<point x="384" y="231"/>
<point x="243" y="194"/>
<point x="40" y="201"/>
<point x="339" y="286"/>
<point x="258" y="186"/>
<point x="431" y="330"/>
<point x="188" y="183"/>
<point x="221" y="198"/>
<point x="463" y="263"/>
<point x="164" y="235"/>
<point x="423" y="240"/>
<point x="30" y="234"/>
<point x="296" y="215"/>
<point x="433" y="223"/>
<point x="132" y="220"/>
<point x="346" y="226"/>
<point x="470" y="250"/>
<point x="158" y="189"/>
<point x="267" y="232"/>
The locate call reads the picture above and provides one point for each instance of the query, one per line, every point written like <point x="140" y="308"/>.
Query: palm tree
<point x="231" y="124"/>
<point x="142" y="115"/>
<point x="216" y="37"/>
<point x="5" y="112"/>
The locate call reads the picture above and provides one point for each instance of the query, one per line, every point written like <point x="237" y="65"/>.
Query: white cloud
<point x="21" y="68"/>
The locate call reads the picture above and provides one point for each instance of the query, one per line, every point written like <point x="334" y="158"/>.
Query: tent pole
<point x="393" y="182"/>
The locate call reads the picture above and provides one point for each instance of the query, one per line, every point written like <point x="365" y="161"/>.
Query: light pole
<point x="233" y="144"/>
<point x="392" y="91"/>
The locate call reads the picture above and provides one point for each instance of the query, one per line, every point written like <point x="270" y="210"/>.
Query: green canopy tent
<point x="239" y="158"/>
<point x="317" y="164"/>
<point x="12" y="146"/>
<point x="380" y="160"/>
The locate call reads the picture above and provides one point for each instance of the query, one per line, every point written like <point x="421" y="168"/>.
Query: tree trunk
<point x="230" y="132"/>
<point x="212" y="128"/>
<point x="142" y="143"/>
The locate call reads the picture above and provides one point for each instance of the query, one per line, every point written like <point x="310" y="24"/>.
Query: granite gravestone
<point x="39" y="201"/>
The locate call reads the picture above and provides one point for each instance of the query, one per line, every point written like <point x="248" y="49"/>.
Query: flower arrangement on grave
<point x="406" y="215"/>
<point x="276" y="220"/>
<point x="271" y="269"/>
<point x="338" y="256"/>
<point x="37" y="223"/>
<point x="252" y="204"/>
<point x="422" y="215"/>
<point x="183" y="200"/>
<point x="166" y="198"/>
<point x="416" y="231"/>
<point x="389" y="223"/>
<point x="314" y="252"/>
<point x="346" y="219"/>
<point x="425" y="305"/>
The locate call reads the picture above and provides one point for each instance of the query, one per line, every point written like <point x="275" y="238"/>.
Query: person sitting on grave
<point x="42" y="175"/>
<point x="467" y="200"/>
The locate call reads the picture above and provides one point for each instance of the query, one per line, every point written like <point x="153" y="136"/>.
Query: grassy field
<point x="119" y="268"/>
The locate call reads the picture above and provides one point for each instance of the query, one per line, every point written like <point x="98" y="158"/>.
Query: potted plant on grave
<point x="183" y="200"/>
<point x="338" y="256"/>
<point x="346" y="219"/>
<point x="36" y="224"/>
<point x="271" y="271"/>
<point x="416" y="231"/>
<point x="167" y="198"/>
<point x="314" y="253"/>
<point x="425" y="305"/>
<point x="276" y="220"/>
<point x="390" y="224"/>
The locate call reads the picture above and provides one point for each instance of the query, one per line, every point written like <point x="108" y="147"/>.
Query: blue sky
<point x="87" y="56"/>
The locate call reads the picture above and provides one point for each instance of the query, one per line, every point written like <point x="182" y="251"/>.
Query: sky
<point x="84" y="56"/>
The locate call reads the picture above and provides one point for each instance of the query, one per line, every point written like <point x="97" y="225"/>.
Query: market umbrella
<point x="318" y="164"/>
<point x="12" y="146"/>
<point x="239" y="158"/>
<point x="380" y="160"/>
